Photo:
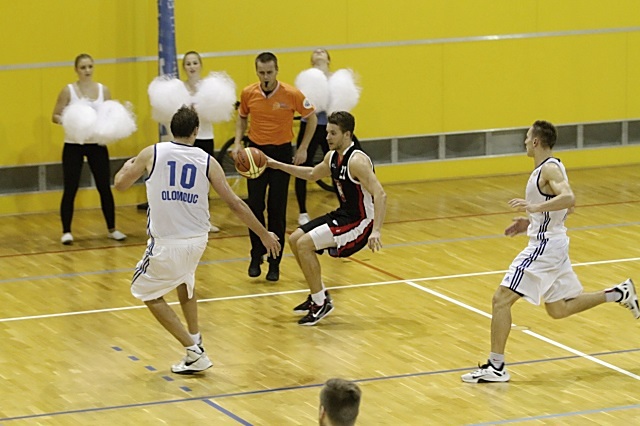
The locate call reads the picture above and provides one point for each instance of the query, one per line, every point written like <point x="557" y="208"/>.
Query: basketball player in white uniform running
<point x="178" y="181"/>
<point x="345" y="231"/>
<point x="543" y="269"/>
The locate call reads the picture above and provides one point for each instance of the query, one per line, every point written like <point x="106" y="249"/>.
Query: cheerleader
<point x="329" y="92"/>
<point x="90" y="120"/>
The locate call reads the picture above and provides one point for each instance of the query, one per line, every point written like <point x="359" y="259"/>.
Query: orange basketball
<point x="251" y="162"/>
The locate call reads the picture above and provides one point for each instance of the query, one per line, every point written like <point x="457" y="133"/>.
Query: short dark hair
<point x="546" y="132"/>
<point x="81" y="57"/>
<point x="265" y="57"/>
<point x="344" y="120"/>
<point x="341" y="401"/>
<point x="184" y="122"/>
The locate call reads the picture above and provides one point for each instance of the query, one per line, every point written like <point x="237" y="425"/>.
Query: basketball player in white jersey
<point x="543" y="269"/>
<point x="178" y="181"/>
<point x="345" y="231"/>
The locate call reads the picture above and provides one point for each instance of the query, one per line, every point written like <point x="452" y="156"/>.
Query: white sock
<point x="318" y="298"/>
<point x="613" y="295"/>
<point x="196" y="337"/>
<point x="497" y="360"/>
<point x="195" y="348"/>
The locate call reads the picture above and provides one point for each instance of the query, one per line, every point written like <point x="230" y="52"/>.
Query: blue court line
<point x="244" y="259"/>
<point x="315" y="385"/>
<point x="557" y="415"/>
<point x="228" y="413"/>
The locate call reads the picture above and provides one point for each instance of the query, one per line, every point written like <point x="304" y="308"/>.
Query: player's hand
<point x="272" y="244"/>
<point x="300" y="157"/>
<point x="524" y="206"/>
<point x="271" y="162"/>
<point x="518" y="226"/>
<point x="374" y="242"/>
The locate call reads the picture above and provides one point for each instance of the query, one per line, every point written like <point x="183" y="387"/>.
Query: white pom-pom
<point x="167" y="95"/>
<point x="344" y="91"/>
<point x="115" y="121"/>
<point x="315" y="86"/>
<point x="215" y="98"/>
<point x="79" y="119"/>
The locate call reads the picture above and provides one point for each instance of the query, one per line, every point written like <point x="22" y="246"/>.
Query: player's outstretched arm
<point x="240" y="208"/>
<point x="320" y="171"/>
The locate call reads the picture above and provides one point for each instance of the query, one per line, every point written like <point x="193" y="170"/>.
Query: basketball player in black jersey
<point x="345" y="231"/>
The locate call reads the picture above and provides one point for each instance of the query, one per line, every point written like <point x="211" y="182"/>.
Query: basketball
<point x="251" y="162"/>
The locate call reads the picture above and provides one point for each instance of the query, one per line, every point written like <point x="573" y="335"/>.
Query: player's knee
<point x="503" y="298"/>
<point x="306" y="244"/>
<point x="557" y="315"/>
<point x="295" y="237"/>
<point x="497" y="302"/>
<point x="557" y="311"/>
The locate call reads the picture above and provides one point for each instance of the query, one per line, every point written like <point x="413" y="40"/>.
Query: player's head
<point x="192" y="62"/>
<point x="340" y="126"/>
<point x="339" y="403"/>
<point x="184" y="122"/>
<point x="541" y="134"/>
<point x="544" y="131"/>
<point x="320" y="56"/>
<point x="83" y="65"/>
<point x="267" y="70"/>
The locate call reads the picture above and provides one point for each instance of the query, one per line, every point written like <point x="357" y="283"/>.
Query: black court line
<point x="298" y="387"/>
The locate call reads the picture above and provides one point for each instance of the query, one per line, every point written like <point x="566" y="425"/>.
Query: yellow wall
<point x="407" y="89"/>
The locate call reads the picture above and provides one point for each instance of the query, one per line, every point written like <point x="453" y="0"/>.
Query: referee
<point x="271" y="105"/>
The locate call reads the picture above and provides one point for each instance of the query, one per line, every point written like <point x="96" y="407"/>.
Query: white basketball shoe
<point x="629" y="297"/>
<point x="487" y="373"/>
<point x="192" y="363"/>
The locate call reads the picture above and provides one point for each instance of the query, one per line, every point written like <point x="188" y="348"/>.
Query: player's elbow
<point x="571" y="200"/>
<point x="119" y="184"/>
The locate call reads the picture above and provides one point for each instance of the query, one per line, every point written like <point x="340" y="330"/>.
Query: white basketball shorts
<point x="543" y="271"/>
<point x="165" y="265"/>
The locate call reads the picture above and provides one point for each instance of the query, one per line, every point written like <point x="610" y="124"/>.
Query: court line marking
<point x="279" y="293"/>
<point x="529" y="332"/>
<point x="396" y="222"/>
<point x="558" y="415"/>
<point x="243" y="259"/>
<point x="227" y="412"/>
<point x="301" y="387"/>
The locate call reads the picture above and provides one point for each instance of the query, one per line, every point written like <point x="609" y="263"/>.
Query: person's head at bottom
<point x="339" y="403"/>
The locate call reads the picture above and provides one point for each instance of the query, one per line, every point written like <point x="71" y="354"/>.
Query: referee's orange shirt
<point x="272" y="116"/>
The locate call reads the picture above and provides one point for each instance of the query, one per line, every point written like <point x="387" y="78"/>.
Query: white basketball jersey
<point x="544" y="225"/>
<point x="178" y="192"/>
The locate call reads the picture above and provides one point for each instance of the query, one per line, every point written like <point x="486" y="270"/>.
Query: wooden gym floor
<point x="77" y="348"/>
